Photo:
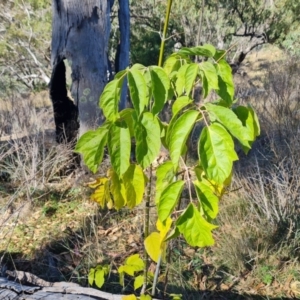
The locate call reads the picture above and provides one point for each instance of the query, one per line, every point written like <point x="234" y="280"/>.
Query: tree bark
<point x="80" y="34"/>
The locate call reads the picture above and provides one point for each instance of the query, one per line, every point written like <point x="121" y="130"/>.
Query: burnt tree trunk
<point x="80" y="35"/>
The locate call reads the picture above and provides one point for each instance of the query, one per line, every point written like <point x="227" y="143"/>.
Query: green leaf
<point x="180" y="82"/>
<point x="209" y="77"/>
<point x="138" y="67"/>
<point x="138" y="90"/>
<point x="249" y="119"/>
<point x="172" y="63"/>
<point x="226" y="86"/>
<point x="190" y="77"/>
<point x="147" y="135"/>
<point x="134" y="182"/>
<point x="231" y="122"/>
<point x="208" y="200"/>
<point x="216" y="152"/>
<point x="164" y="176"/>
<point x="180" y="103"/>
<point x="180" y="133"/>
<point x="205" y="50"/>
<point x="91" y="146"/>
<point x="256" y="122"/>
<point x="119" y="147"/>
<point x="117" y="190"/>
<point x="168" y="199"/>
<point x="152" y="245"/>
<point x="109" y="100"/>
<point x="126" y="115"/>
<point x="160" y="88"/>
<point x="138" y="282"/>
<point x="195" y="229"/>
<point x="220" y="54"/>
<point x="91" y="276"/>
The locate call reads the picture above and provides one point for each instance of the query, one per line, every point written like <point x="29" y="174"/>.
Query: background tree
<point x="25" y="28"/>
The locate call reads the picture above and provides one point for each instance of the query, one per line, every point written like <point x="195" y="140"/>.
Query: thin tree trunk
<point x="123" y="59"/>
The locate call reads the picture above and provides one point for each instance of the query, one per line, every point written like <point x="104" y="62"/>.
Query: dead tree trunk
<point x="80" y="35"/>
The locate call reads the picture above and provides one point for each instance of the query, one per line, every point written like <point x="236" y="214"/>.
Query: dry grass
<point x="259" y="223"/>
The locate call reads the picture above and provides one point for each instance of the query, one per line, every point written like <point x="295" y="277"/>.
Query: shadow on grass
<point x="49" y="267"/>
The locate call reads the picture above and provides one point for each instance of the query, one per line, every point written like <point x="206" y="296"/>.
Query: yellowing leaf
<point x="100" y="193"/>
<point x="97" y="182"/>
<point x="145" y="297"/>
<point x="132" y="264"/>
<point x="117" y="190"/>
<point x="152" y="245"/>
<point x="99" y="277"/>
<point x="129" y="297"/>
<point x="134" y="182"/>
<point x="91" y="276"/>
<point x="164" y="228"/>
<point x="138" y="282"/>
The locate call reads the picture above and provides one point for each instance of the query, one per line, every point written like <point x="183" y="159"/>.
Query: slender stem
<point x="155" y="279"/>
<point x="146" y="229"/>
<point x="163" y="38"/>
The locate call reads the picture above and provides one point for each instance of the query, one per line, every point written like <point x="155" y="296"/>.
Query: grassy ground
<point x="48" y="225"/>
